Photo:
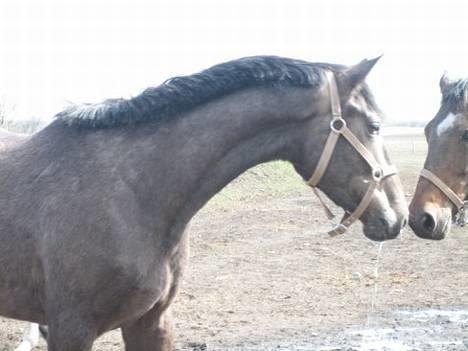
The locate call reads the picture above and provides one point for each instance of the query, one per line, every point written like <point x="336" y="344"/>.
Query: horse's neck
<point x="204" y="151"/>
<point x="266" y="145"/>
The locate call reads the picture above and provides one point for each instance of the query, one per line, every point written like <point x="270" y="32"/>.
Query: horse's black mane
<point x="457" y="93"/>
<point x="182" y="93"/>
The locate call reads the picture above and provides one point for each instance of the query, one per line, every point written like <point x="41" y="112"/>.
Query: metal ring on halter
<point x="462" y="218"/>
<point x="337" y="129"/>
<point x="377" y="174"/>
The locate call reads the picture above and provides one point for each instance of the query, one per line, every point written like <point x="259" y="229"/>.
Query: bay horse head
<point x="442" y="190"/>
<point x="354" y="169"/>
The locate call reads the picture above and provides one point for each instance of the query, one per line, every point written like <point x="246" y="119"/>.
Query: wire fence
<point x="415" y="146"/>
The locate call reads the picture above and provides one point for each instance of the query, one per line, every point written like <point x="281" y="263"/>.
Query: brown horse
<point x="94" y="208"/>
<point x="442" y="190"/>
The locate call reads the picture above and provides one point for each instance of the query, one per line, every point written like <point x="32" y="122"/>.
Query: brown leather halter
<point x="462" y="206"/>
<point x="338" y="128"/>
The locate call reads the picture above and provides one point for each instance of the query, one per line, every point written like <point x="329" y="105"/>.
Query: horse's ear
<point x="354" y="75"/>
<point x="445" y="82"/>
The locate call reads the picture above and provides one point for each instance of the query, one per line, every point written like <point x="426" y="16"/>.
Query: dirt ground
<point x="264" y="276"/>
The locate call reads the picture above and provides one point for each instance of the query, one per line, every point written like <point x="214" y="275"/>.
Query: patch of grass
<point x="265" y="181"/>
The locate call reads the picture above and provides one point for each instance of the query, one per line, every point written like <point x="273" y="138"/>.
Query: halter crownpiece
<point x="462" y="206"/>
<point x="339" y="128"/>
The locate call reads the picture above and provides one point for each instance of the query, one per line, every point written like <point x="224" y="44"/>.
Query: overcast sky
<point x="56" y="51"/>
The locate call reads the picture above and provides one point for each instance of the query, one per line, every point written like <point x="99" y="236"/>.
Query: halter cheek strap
<point x="339" y="128"/>
<point x="461" y="205"/>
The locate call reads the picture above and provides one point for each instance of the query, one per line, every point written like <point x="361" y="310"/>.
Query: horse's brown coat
<point x="93" y="221"/>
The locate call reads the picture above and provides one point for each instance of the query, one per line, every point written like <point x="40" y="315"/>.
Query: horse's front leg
<point x="68" y="331"/>
<point x="153" y="332"/>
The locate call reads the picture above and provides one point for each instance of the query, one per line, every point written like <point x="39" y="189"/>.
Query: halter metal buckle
<point x="462" y="218"/>
<point x="338" y="230"/>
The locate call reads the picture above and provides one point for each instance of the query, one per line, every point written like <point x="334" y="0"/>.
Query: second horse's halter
<point x="462" y="206"/>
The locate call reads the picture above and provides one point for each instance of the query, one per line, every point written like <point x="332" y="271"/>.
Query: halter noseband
<point x="462" y="206"/>
<point x="338" y="127"/>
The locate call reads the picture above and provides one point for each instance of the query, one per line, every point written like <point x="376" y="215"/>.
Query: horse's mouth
<point x="380" y="232"/>
<point x="446" y="225"/>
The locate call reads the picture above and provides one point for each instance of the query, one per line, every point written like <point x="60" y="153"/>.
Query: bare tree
<point x="6" y="111"/>
<point x="2" y="112"/>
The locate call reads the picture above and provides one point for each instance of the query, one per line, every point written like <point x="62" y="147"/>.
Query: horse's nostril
<point x="428" y="222"/>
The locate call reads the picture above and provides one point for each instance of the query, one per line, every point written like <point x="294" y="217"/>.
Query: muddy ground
<point x="264" y="276"/>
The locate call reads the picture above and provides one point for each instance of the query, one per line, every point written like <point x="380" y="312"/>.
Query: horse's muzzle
<point x="431" y="224"/>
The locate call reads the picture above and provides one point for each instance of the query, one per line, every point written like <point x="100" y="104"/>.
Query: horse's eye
<point x="464" y="136"/>
<point x="373" y="128"/>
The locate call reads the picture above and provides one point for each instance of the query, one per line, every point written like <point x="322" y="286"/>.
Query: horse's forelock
<point x="457" y="94"/>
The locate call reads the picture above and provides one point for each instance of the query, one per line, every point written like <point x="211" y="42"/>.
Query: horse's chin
<point x="381" y="230"/>
<point x="377" y="235"/>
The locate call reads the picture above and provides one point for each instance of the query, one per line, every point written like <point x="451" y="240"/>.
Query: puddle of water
<point x="411" y="330"/>
<point x="379" y="339"/>
<point x="453" y="316"/>
<point x="418" y="330"/>
<point x="387" y="345"/>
